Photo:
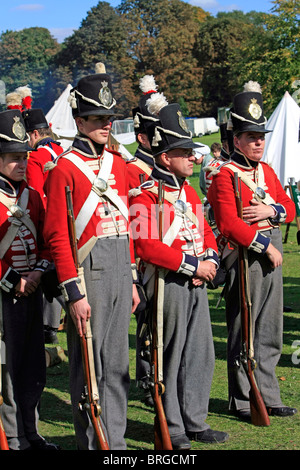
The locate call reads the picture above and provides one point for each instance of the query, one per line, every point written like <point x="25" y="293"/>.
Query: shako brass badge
<point x="182" y="121"/>
<point x="105" y="95"/>
<point x="254" y="109"/>
<point x="18" y="129"/>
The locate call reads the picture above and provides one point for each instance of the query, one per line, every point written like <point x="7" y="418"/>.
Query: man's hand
<point x="206" y="271"/>
<point x="34" y="278"/>
<point x="80" y="312"/>
<point x="135" y="298"/>
<point x="274" y="256"/>
<point x="28" y="283"/>
<point x="257" y="211"/>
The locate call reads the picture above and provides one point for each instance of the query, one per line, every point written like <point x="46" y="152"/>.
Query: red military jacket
<point x="139" y="168"/>
<point x="191" y="241"/>
<point x="104" y="221"/>
<point x="221" y="196"/>
<point x="212" y="167"/>
<point x="27" y="250"/>
<point x="46" y="150"/>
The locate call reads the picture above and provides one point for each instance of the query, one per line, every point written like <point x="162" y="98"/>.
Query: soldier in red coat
<point x="187" y="255"/>
<point x="24" y="257"/>
<point x="140" y="167"/>
<point x="139" y="170"/>
<point x="45" y="149"/>
<point x="97" y="179"/>
<point x="265" y="207"/>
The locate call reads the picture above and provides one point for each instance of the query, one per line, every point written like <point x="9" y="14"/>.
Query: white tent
<point x="61" y="120"/>
<point x="63" y="124"/>
<point x="282" y="148"/>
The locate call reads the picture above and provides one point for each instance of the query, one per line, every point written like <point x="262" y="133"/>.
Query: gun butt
<point x="162" y="440"/>
<point x="259" y="414"/>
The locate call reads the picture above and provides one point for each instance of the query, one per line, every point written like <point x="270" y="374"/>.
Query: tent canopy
<point x="282" y="148"/>
<point x="60" y="117"/>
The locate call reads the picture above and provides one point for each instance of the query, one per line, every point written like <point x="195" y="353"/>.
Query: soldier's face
<point x="95" y="128"/>
<point x="180" y="162"/>
<point x="13" y="165"/>
<point x="251" y="144"/>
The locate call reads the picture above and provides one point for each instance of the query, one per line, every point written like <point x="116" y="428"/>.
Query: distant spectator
<point x="216" y="149"/>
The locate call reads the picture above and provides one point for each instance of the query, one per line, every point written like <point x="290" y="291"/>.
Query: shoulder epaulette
<point x="52" y="164"/>
<point x="131" y="160"/>
<point x="138" y="190"/>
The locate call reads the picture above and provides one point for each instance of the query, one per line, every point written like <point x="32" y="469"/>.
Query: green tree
<point x="161" y="42"/>
<point x="100" y="38"/>
<point x="26" y="58"/>
<point x="219" y="40"/>
<point x="138" y="38"/>
<point x="273" y="61"/>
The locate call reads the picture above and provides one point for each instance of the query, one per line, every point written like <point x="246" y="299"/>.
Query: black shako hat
<point x="93" y="95"/>
<point x="170" y="131"/>
<point x="247" y="113"/>
<point x="141" y="116"/>
<point x="34" y="119"/>
<point x="225" y="133"/>
<point x="13" y="137"/>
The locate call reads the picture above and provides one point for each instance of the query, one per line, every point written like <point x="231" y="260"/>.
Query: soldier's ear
<point x="164" y="159"/>
<point x="78" y="121"/>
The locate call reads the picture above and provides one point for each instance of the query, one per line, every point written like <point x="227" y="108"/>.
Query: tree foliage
<point x="26" y="57"/>
<point x="100" y="38"/>
<point x="197" y="60"/>
<point x="273" y="58"/>
<point x="162" y="44"/>
<point x="218" y="41"/>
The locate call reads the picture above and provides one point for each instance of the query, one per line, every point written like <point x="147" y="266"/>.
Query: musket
<point x="259" y="414"/>
<point x="162" y="440"/>
<point x="90" y="401"/>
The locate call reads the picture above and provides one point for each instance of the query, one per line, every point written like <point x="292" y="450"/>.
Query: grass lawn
<point x="283" y="434"/>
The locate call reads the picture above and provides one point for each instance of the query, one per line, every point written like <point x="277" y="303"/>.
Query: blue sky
<point x="61" y="17"/>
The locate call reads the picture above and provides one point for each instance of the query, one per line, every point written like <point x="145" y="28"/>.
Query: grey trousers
<point x="52" y="312"/>
<point x="24" y="368"/>
<point x="188" y="360"/>
<point x="108" y="279"/>
<point x="267" y="317"/>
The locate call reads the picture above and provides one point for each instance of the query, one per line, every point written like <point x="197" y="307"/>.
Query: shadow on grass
<point x="56" y="423"/>
<point x="139" y="432"/>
